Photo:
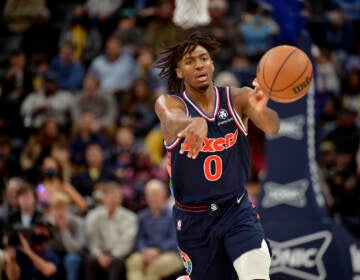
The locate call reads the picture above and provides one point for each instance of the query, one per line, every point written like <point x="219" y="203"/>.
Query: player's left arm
<point x="253" y="104"/>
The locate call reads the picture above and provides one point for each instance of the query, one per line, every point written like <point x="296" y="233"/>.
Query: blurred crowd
<point x="82" y="164"/>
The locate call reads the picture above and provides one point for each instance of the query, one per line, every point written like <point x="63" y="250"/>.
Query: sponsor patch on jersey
<point x="186" y="261"/>
<point x="223" y="114"/>
<point x="223" y="117"/>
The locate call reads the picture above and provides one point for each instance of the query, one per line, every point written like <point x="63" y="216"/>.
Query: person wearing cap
<point x="68" y="235"/>
<point x="49" y="101"/>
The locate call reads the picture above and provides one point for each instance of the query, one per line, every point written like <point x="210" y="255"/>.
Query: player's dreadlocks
<point x="170" y="56"/>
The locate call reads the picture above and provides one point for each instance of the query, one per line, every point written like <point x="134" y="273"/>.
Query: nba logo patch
<point x="179" y="225"/>
<point x="186" y="261"/>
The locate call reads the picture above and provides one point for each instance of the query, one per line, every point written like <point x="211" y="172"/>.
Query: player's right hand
<point x="194" y="135"/>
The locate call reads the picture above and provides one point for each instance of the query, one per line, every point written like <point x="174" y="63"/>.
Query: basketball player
<point x="205" y="127"/>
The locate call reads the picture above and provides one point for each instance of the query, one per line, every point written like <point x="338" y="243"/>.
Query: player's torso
<point x="221" y="168"/>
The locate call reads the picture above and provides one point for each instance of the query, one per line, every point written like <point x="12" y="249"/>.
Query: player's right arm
<point x="175" y="123"/>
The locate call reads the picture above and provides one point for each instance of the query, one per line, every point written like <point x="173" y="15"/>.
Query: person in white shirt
<point x="111" y="232"/>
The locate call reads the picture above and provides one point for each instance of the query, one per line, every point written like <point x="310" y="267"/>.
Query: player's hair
<point x="170" y="56"/>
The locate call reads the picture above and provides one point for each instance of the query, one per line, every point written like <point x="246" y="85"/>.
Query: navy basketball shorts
<point x="211" y="238"/>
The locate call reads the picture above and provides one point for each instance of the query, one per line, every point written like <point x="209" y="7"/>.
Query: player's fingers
<point x="186" y="144"/>
<point x="196" y="148"/>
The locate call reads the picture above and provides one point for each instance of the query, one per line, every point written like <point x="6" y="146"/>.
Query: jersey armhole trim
<point x="176" y="141"/>
<point x="234" y="114"/>
<point x="173" y="144"/>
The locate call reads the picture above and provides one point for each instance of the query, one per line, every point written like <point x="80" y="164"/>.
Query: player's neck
<point x="204" y="99"/>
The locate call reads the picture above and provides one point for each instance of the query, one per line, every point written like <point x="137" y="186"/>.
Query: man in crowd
<point x="156" y="256"/>
<point x="111" y="231"/>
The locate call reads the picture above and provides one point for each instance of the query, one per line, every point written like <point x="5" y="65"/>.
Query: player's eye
<point x="188" y="62"/>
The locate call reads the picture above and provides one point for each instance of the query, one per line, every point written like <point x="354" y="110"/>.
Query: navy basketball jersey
<point x="221" y="168"/>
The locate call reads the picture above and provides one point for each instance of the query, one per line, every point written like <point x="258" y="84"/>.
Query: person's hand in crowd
<point x="150" y="254"/>
<point x="104" y="260"/>
<point x="9" y="254"/>
<point x="24" y="245"/>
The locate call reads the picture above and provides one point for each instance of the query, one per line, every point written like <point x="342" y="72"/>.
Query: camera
<point x="36" y="235"/>
<point x="13" y="235"/>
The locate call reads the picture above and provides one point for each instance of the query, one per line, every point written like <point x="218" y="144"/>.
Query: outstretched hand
<point x="194" y="135"/>
<point x="257" y="98"/>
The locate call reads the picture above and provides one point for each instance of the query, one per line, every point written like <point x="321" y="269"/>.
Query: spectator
<point x="86" y="39"/>
<point x="26" y="260"/>
<point x="128" y="31"/>
<point x="19" y="16"/>
<point x="30" y="261"/>
<point x="27" y="215"/>
<point x="124" y="153"/>
<point x="221" y="28"/>
<point x="103" y="14"/>
<point x="339" y="32"/>
<point x="87" y="131"/>
<point x="68" y="235"/>
<point x="70" y="72"/>
<point x="10" y="204"/>
<point x="137" y="108"/>
<point x="161" y="30"/>
<point x="49" y="102"/>
<point x="255" y="33"/>
<point x="351" y="90"/>
<point x="327" y="81"/>
<point x="18" y="78"/>
<point x="96" y="171"/>
<point x="9" y="165"/>
<point x="52" y="182"/>
<point x="40" y="41"/>
<point x="243" y="68"/>
<point x="16" y="85"/>
<point x="145" y="60"/>
<point x="111" y="231"/>
<point x="116" y="68"/>
<point x="61" y="154"/>
<point x="156" y="251"/>
<point x="39" y="146"/>
<point x="345" y="136"/>
<point x="101" y="105"/>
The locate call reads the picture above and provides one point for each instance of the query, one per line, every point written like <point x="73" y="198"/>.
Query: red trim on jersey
<point x="173" y="144"/>
<point x="216" y="105"/>
<point x="182" y="100"/>
<point x="233" y="113"/>
<point x="189" y="208"/>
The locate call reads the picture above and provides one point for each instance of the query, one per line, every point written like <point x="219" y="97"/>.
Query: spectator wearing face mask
<point x="52" y="182"/>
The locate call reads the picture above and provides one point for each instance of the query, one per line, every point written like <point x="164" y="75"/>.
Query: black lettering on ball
<point x="299" y="88"/>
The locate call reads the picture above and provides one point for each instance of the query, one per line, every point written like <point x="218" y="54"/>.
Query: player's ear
<point x="178" y="73"/>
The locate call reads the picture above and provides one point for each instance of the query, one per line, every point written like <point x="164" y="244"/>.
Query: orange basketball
<point x="285" y="73"/>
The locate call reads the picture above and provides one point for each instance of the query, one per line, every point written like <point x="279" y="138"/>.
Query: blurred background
<point x="82" y="165"/>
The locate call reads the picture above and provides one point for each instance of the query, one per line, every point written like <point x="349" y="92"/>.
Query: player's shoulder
<point x="169" y="101"/>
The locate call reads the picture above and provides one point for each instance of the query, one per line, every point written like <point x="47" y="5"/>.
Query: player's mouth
<point x="201" y="77"/>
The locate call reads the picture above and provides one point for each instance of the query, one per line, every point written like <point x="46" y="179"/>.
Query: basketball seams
<point x="263" y="70"/>
<point x="296" y="80"/>
<point x="281" y="67"/>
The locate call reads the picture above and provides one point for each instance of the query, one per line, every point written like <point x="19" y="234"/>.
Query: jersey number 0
<point x="213" y="168"/>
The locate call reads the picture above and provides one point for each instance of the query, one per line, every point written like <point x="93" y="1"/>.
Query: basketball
<point x="285" y="73"/>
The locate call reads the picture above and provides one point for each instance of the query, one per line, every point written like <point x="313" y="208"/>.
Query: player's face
<point x="196" y="69"/>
